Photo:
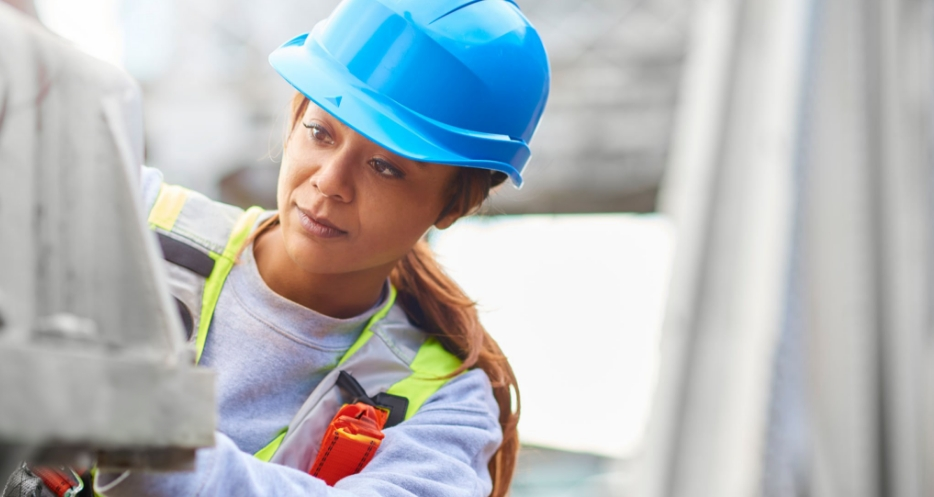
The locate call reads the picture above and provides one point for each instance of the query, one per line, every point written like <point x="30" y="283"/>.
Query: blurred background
<point x="724" y="279"/>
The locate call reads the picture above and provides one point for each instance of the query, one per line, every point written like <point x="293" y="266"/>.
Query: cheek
<point x="398" y="220"/>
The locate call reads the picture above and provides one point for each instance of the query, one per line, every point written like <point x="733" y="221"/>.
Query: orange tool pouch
<point x="353" y="436"/>
<point x="349" y="443"/>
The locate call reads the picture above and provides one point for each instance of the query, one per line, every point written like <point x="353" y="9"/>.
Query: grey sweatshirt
<point x="269" y="354"/>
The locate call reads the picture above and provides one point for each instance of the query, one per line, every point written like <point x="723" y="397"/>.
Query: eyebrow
<point x="420" y="164"/>
<point x="327" y="116"/>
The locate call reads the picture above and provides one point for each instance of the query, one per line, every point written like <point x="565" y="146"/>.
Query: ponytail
<point x="434" y="303"/>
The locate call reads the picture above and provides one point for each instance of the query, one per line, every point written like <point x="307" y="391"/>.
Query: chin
<point x="312" y="258"/>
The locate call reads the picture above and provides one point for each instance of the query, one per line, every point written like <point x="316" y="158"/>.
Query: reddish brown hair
<point x="437" y="305"/>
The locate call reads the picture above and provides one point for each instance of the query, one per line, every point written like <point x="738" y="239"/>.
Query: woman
<point x="408" y="113"/>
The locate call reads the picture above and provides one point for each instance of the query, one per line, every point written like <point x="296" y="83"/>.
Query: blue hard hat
<point x="458" y="82"/>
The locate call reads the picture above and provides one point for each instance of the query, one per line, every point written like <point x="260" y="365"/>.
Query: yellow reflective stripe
<point x="266" y="453"/>
<point x="367" y="331"/>
<point x="212" y="292"/>
<point x="94" y="481"/>
<point x="168" y="206"/>
<point x="223" y="263"/>
<point x="432" y="364"/>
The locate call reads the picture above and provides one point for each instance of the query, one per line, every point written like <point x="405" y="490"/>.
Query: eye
<point x="318" y="133"/>
<point x="386" y="169"/>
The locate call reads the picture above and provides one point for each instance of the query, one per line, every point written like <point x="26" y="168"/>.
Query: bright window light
<point x="92" y="25"/>
<point x="576" y="303"/>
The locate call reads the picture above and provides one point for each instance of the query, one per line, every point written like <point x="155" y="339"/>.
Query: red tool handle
<point x="56" y="480"/>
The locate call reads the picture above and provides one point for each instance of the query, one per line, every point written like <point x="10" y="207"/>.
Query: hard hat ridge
<point x="460" y="82"/>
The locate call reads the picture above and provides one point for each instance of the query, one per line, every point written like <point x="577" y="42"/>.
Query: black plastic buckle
<point x="395" y="404"/>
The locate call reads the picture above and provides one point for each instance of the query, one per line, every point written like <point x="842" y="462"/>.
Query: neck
<point x="336" y="295"/>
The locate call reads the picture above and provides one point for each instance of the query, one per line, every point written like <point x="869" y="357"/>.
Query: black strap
<point x="188" y="321"/>
<point x="185" y="255"/>
<point x="395" y="404"/>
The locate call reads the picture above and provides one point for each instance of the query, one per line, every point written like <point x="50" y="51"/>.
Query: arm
<point x="443" y="450"/>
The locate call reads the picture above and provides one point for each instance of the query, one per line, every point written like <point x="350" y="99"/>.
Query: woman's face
<point x="348" y="205"/>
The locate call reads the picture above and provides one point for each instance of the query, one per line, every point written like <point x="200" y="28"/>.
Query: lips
<point x="319" y="226"/>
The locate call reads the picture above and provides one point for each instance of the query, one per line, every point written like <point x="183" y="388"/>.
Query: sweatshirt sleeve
<point x="150" y="183"/>
<point x="444" y="449"/>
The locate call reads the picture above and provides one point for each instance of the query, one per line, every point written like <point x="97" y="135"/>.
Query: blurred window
<point x="576" y="302"/>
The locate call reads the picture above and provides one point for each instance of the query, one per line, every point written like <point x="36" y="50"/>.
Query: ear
<point x="448" y="219"/>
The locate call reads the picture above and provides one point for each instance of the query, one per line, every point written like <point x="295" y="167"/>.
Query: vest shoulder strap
<point x="203" y="236"/>
<point x="431" y="368"/>
<point x="223" y="263"/>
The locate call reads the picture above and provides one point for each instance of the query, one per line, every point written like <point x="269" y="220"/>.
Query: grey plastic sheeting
<point x="797" y="337"/>
<point x="91" y="350"/>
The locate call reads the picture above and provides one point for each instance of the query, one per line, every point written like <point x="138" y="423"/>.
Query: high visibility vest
<point x="200" y="239"/>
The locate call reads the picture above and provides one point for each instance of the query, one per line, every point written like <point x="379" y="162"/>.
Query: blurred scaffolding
<point x="797" y="342"/>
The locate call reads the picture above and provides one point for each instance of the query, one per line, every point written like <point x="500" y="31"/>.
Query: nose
<point x="334" y="179"/>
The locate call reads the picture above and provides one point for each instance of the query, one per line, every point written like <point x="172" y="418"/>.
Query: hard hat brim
<point x="307" y="66"/>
